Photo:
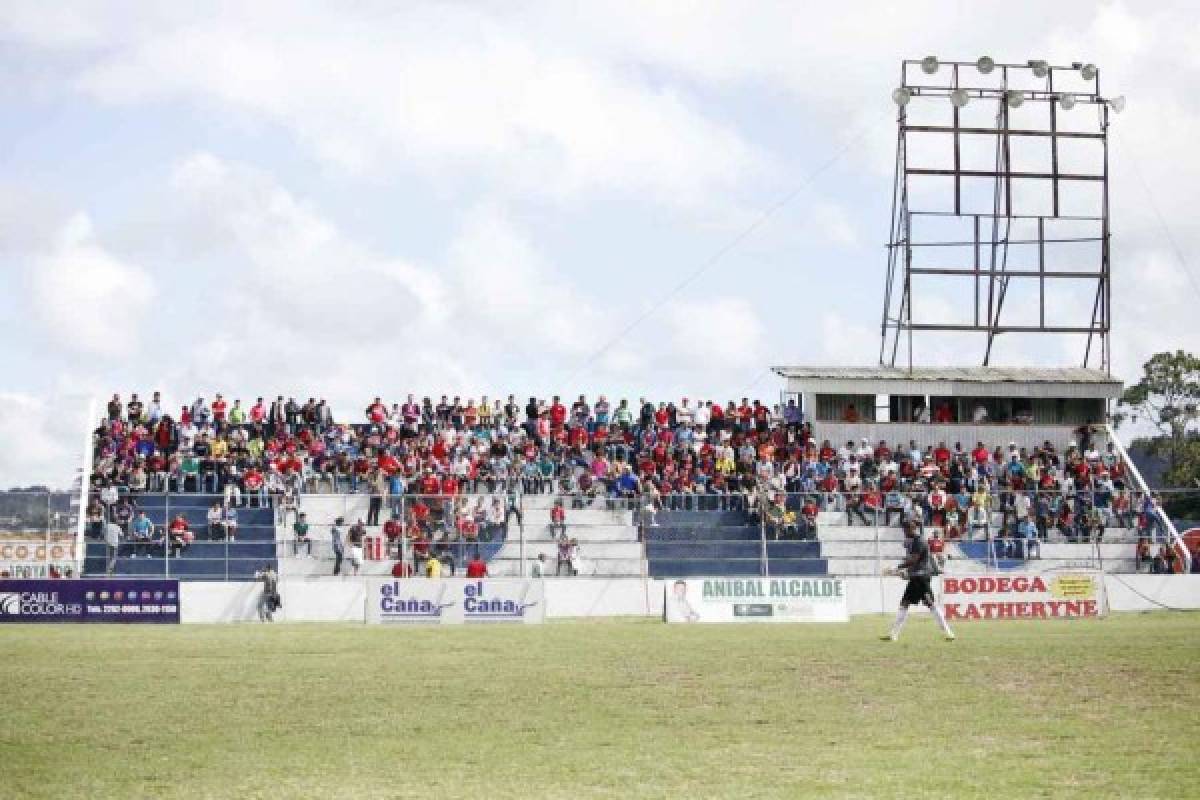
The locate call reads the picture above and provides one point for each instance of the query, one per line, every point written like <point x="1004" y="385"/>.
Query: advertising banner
<point x="94" y="601"/>
<point x="1064" y="595"/>
<point x="454" y="601"/>
<point x="37" y="558"/>
<point x="755" y="600"/>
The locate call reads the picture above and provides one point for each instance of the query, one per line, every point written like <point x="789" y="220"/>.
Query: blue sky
<point x="344" y="201"/>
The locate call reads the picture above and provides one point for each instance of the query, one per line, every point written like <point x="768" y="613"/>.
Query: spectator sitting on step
<point x="401" y="569"/>
<point x="179" y="536"/>
<point x="1161" y="564"/>
<point x="937" y="549"/>
<point x="774" y="516"/>
<point x="216" y="522"/>
<point x="393" y="529"/>
<point x="808" y="518"/>
<point x="233" y="494"/>
<point x="95" y="521"/>
<point x="256" y="486"/>
<point x="953" y="518"/>
<point x="576" y="558"/>
<point x="230" y="519"/>
<point x="1027" y="538"/>
<point x="142" y="531"/>
<point x="468" y="529"/>
<point x="564" y="555"/>
<point x="301" y="536"/>
<point x="420" y="549"/>
<point x="494" y="520"/>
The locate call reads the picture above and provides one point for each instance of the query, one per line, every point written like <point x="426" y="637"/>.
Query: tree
<point x="1168" y="397"/>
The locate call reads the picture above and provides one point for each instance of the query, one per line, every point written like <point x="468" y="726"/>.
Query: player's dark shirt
<point x="920" y="561"/>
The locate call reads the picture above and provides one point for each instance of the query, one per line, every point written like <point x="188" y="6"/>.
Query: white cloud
<point x="519" y="144"/>
<point x="43" y="439"/>
<point x="438" y="90"/>
<point x="87" y="299"/>
<point x="716" y="334"/>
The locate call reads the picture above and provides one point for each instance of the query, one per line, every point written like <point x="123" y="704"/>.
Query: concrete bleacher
<point x="608" y="539"/>
<point x="859" y="550"/>
<point x="696" y="543"/>
<point x="322" y="510"/>
<point x="204" y="559"/>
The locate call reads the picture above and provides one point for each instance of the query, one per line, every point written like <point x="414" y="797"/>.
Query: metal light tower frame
<point x="989" y="273"/>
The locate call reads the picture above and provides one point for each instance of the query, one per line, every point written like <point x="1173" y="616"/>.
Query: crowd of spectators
<point x="458" y="467"/>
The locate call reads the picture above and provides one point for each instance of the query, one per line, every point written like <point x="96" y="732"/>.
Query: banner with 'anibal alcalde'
<point x="454" y="601"/>
<point x="755" y="600"/>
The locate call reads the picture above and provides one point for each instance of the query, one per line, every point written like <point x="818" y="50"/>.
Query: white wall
<point x="323" y="600"/>
<point x="343" y="600"/>
<point x="598" y="597"/>
<point x="1152" y="592"/>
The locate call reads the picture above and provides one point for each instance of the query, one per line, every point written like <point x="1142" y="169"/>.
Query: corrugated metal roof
<point x="960" y="374"/>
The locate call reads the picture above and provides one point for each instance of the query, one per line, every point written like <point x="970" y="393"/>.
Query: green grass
<point x="1103" y="708"/>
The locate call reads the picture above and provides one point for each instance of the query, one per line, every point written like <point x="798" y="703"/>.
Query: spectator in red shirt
<point x="558" y="519"/>
<point x="402" y="570"/>
<point x="377" y="412"/>
<point x="393" y="530"/>
<point x="219" y="408"/>
<point x="558" y="414"/>
<point x="477" y="567"/>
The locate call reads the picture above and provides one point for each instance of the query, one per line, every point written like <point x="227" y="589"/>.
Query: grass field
<point x="1101" y="708"/>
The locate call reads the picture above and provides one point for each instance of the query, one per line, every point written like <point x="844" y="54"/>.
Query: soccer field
<point x="1103" y="708"/>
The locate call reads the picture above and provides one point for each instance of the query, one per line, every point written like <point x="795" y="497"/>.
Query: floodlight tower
<point x="1012" y="211"/>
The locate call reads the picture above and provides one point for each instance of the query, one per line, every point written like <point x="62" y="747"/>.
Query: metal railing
<point x="612" y="535"/>
<point x="39" y="534"/>
<point x="1098" y="529"/>
<point x="510" y="531"/>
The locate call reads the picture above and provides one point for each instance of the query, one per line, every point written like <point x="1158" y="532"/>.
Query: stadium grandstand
<point x="1001" y="466"/>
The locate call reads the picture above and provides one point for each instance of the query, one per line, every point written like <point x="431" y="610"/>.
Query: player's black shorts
<point x="917" y="591"/>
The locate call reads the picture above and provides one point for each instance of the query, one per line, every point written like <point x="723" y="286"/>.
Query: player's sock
<point x="901" y="615"/>
<point x="941" y="621"/>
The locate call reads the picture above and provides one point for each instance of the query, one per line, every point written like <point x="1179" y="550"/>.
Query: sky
<point x="635" y="198"/>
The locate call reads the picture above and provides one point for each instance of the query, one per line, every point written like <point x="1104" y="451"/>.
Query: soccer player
<point x="918" y="566"/>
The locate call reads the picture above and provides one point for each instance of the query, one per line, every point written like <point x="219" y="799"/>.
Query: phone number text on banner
<point x="1045" y="596"/>
<point x="454" y="601"/>
<point x="755" y="600"/>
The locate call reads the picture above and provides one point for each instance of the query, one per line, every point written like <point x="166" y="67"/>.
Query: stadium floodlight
<point x="1087" y="71"/>
<point x="901" y="96"/>
<point x="959" y="98"/>
<point x="1015" y="98"/>
<point x="1040" y="68"/>
<point x="1117" y="103"/>
<point x="1066" y="101"/>
<point x="929" y="65"/>
<point x="985" y="65"/>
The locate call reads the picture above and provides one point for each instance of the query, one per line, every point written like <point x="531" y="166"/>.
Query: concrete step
<point x="594" y="549"/>
<point x="594" y="533"/>
<point x="890" y="551"/>
<point x="580" y="517"/>
<point x="606" y="567"/>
